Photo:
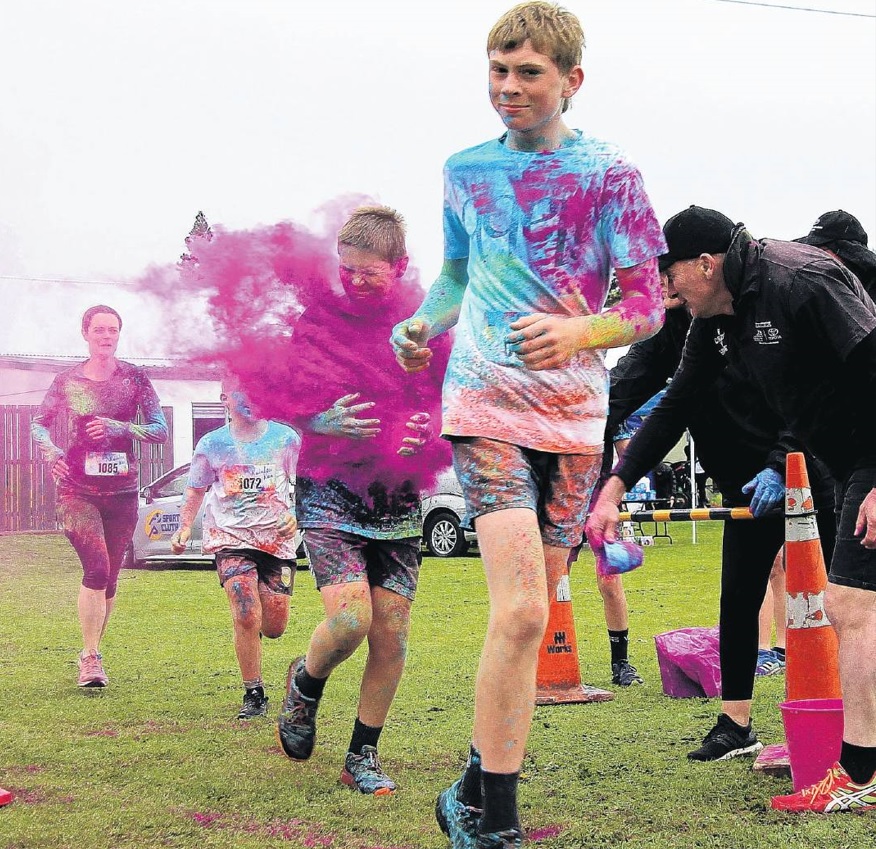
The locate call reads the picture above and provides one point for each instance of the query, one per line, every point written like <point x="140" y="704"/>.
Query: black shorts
<point x="852" y="564"/>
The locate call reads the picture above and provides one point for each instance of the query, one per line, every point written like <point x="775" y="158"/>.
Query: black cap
<point x="836" y="226"/>
<point x="694" y="231"/>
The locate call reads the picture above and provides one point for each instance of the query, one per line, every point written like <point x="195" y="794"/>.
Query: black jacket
<point x="735" y="432"/>
<point x="803" y="328"/>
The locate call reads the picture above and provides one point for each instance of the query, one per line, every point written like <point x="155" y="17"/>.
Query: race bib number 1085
<point x="106" y="463"/>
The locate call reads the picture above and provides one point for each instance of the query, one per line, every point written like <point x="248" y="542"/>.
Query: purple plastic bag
<point x="689" y="662"/>
<point x="616" y="558"/>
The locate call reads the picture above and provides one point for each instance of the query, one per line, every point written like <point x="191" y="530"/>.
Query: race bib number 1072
<point x="249" y="479"/>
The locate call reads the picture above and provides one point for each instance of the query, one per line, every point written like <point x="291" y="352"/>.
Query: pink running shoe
<point x="91" y="672"/>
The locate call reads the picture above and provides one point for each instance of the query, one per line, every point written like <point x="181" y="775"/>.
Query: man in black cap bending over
<point x="805" y="330"/>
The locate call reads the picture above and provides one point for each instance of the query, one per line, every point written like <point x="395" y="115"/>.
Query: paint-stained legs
<point x="346" y="624"/>
<point x="514" y="564"/>
<point x="246" y="618"/>
<point x="387" y="650"/>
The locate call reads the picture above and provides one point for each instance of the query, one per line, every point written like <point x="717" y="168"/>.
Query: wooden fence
<point x="28" y="491"/>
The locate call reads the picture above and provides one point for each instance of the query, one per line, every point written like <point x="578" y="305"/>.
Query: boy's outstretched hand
<point x="546" y="341"/>
<point x="408" y="340"/>
<point x="419" y="423"/>
<point x="341" y="419"/>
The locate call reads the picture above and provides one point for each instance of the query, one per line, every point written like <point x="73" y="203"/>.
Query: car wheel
<point x="443" y="535"/>
<point x="128" y="559"/>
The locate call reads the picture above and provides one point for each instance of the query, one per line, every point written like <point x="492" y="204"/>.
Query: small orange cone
<point x="812" y="670"/>
<point x="558" y="678"/>
<point x="6" y="796"/>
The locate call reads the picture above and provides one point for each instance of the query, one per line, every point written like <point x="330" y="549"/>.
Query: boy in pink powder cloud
<point x="364" y="459"/>
<point x="534" y="222"/>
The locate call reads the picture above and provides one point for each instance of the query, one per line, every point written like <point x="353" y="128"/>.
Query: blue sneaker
<point x="458" y="821"/>
<point x="768" y="663"/>
<point x="510" y="838"/>
<point x="365" y="773"/>
<point x="296" y="724"/>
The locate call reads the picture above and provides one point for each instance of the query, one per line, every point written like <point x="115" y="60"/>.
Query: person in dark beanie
<point x="841" y="234"/>
<point x="805" y="330"/>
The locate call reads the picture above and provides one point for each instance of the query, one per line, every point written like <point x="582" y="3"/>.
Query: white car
<point x="158" y="518"/>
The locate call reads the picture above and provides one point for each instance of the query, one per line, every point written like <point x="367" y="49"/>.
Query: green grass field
<point x="158" y="760"/>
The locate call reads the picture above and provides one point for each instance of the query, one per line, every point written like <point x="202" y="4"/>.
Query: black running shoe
<point x="255" y="703"/>
<point x="726" y="740"/>
<point x="296" y="724"/>
<point x="624" y="674"/>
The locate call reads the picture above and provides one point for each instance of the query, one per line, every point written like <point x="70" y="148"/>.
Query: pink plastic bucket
<point x="814" y="733"/>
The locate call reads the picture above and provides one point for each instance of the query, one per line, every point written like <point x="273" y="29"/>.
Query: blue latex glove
<point x="769" y="491"/>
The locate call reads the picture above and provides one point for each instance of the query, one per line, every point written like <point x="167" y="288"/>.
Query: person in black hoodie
<point x="804" y="330"/>
<point x="841" y="234"/>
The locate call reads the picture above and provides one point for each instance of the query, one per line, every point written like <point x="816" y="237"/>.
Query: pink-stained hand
<point x="546" y="341"/>
<point x="60" y="470"/>
<point x="341" y="419"/>
<point x="287" y="524"/>
<point x="420" y="424"/>
<point x="100" y="428"/>
<point x="409" y="340"/>
<point x="179" y="540"/>
<point x="601" y="525"/>
<point x="866" y="522"/>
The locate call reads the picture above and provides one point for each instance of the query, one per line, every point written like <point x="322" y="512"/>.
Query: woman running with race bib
<point x="96" y="476"/>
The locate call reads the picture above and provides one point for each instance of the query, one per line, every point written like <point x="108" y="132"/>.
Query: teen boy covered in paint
<point x="96" y="475"/>
<point x="534" y="222"/>
<point x="246" y="471"/>
<point x="358" y="495"/>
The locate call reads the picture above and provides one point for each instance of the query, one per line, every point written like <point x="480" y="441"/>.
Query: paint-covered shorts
<point x="499" y="476"/>
<point x="276" y="574"/>
<point x="339" y="557"/>
<point x="852" y="564"/>
<point x="100" y="528"/>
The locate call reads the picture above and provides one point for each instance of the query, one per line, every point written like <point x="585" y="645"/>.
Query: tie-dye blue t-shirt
<point x="541" y="232"/>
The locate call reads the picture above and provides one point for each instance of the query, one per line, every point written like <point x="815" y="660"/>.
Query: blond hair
<point x="379" y="229"/>
<point x="549" y="28"/>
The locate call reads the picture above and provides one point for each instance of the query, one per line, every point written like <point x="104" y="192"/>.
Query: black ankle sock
<point x="469" y="792"/>
<point x="500" y="801"/>
<point x="363" y="735"/>
<point x="619" y="642"/>
<point x="746" y="727"/>
<point x="858" y="761"/>
<point x="779" y="652"/>
<point x="310" y="687"/>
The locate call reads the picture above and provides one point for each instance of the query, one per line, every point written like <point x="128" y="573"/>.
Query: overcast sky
<point x="119" y="121"/>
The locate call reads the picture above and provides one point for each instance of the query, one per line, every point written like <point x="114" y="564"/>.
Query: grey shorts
<point x="499" y="476"/>
<point x="853" y="565"/>
<point x="339" y="557"/>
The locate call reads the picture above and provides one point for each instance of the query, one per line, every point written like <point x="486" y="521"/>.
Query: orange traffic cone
<point x="6" y="797"/>
<point x="558" y="678"/>
<point x="812" y="670"/>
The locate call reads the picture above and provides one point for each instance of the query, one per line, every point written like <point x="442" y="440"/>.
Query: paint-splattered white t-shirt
<point x="541" y="232"/>
<point x="250" y="488"/>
